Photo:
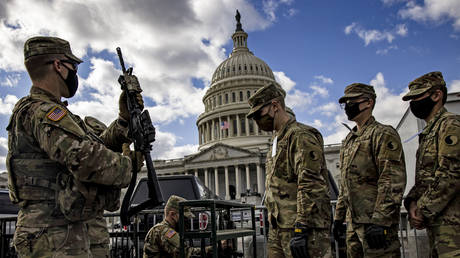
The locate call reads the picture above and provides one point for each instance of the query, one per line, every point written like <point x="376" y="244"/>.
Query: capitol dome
<point x="226" y="101"/>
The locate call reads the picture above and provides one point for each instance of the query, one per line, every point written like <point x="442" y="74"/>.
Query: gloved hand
<point x="338" y="229"/>
<point x="123" y="106"/>
<point x="137" y="158"/>
<point x="376" y="236"/>
<point x="298" y="243"/>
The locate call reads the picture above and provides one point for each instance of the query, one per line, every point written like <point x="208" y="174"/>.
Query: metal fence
<point x="129" y="241"/>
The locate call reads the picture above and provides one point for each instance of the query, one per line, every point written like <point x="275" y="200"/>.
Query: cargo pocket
<point x="28" y="241"/>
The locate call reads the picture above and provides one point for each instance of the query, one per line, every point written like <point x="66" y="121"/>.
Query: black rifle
<point x="142" y="132"/>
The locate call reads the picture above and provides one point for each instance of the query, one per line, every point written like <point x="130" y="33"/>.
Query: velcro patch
<point x="56" y="114"/>
<point x="170" y="233"/>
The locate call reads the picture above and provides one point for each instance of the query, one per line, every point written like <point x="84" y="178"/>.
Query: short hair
<point x="38" y="66"/>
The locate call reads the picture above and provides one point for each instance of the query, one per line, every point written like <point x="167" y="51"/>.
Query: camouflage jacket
<point x="437" y="171"/>
<point x="45" y="139"/>
<point x="297" y="183"/>
<point x="163" y="241"/>
<point x="373" y="175"/>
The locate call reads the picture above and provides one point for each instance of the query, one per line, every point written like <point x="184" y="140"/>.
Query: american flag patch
<point x="170" y="233"/>
<point x="56" y="114"/>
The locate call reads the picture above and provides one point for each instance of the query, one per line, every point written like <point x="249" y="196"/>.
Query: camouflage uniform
<point x="373" y="181"/>
<point x="54" y="156"/>
<point x="163" y="240"/>
<point x="297" y="186"/>
<point x="437" y="174"/>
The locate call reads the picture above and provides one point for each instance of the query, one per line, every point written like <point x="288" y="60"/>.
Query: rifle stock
<point x="142" y="132"/>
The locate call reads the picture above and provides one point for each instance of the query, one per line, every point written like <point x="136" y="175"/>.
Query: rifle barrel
<point x="122" y="63"/>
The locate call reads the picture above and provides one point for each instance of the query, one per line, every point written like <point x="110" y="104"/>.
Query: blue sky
<point x="315" y="49"/>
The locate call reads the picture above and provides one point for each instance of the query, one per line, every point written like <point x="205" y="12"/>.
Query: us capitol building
<point x="232" y="149"/>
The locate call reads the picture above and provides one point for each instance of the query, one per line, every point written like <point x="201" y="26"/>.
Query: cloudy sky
<point x="315" y="49"/>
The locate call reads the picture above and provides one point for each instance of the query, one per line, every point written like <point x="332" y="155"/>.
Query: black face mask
<point x="265" y="122"/>
<point x="422" y="108"/>
<point x="352" y="109"/>
<point x="71" y="81"/>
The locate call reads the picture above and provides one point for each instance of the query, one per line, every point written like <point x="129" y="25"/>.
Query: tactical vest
<point x="34" y="178"/>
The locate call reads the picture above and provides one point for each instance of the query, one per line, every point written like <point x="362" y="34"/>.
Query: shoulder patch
<point x="56" y="114"/>
<point x="170" y="233"/>
<point x="451" y="140"/>
<point x="392" y="145"/>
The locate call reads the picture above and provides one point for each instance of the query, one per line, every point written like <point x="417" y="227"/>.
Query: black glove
<point x="298" y="243"/>
<point x="338" y="229"/>
<point x="376" y="236"/>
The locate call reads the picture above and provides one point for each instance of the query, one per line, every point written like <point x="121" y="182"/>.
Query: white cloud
<point x="438" y="11"/>
<point x="317" y="124"/>
<point x="3" y="152"/>
<point x="270" y="7"/>
<point x="324" y="79"/>
<point x="385" y="51"/>
<point x="329" y="109"/>
<point x="318" y="90"/>
<point x="11" y="80"/>
<point x="298" y="99"/>
<point x="402" y="29"/>
<point x="454" y="86"/>
<point x="286" y="83"/>
<point x="7" y="104"/>
<point x="389" y="107"/>
<point x="371" y="36"/>
<point x="165" y="147"/>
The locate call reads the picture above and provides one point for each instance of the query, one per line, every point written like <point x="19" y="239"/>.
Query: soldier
<point x="434" y="201"/>
<point x="297" y="186"/>
<point x="373" y="179"/>
<point x="162" y="240"/>
<point x="63" y="171"/>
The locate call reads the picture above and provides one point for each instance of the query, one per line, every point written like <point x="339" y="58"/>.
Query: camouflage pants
<point x="357" y="245"/>
<point x="444" y="241"/>
<point x="278" y="242"/>
<point x="61" y="241"/>
<point x="98" y="237"/>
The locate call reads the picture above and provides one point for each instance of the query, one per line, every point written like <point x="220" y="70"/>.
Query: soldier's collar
<point x="281" y="132"/>
<point x="433" y="120"/>
<point x="39" y="91"/>
<point x="369" y="121"/>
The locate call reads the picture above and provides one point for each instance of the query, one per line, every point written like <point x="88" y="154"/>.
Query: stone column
<point x="230" y="127"/>
<point x="186" y="172"/>
<point x="196" y="172"/>
<point x="199" y="134"/>
<point x="260" y="183"/>
<point x="206" y="179"/>
<point x="248" y="178"/>
<point x="256" y="128"/>
<point x="213" y="137"/>
<point x="227" y="185"/>
<point x="247" y="126"/>
<point x="216" y="179"/>
<point x="220" y="130"/>
<point x="238" y="125"/>
<point x="237" y="182"/>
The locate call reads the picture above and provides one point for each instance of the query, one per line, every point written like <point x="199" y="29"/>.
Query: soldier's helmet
<point x="357" y="90"/>
<point x="48" y="45"/>
<point x="264" y="96"/>
<point x="423" y="84"/>
<point x="173" y="202"/>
